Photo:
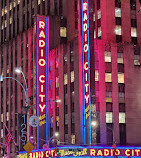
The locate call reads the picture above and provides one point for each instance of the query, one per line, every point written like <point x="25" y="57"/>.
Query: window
<point x="133" y="14"/>
<point x="118" y="3"/>
<point x="39" y="1"/>
<point x="109" y="107"/>
<point x="121" y="94"/>
<point x="72" y="117"/>
<point x="10" y="20"/>
<point x="108" y="94"/>
<point x="1" y="117"/>
<point x="72" y="128"/>
<point x="120" y="58"/>
<point x="133" y="23"/>
<point x="98" y="23"/>
<point x="7" y="116"/>
<point x="118" y="21"/>
<point x="72" y="139"/>
<point x="120" y="77"/>
<point x="133" y="4"/>
<point x="108" y="67"/>
<point x="18" y="1"/>
<point x="66" y="129"/>
<point x="94" y="34"/>
<point x="98" y="4"/>
<point x="109" y="117"/>
<point x="121" y="87"/>
<point x="107" y="56"/>
<point x="133" y="32"/>
<point x="118" y="30"/>
<point x="63" y="32"/>
<point x="99" y="14"/>
<point x="71" y="56"/>
<point x="109" y="131"/>
<point x="65" y="79"/>
<point x="99" y="31"/>
<point x="120" y="67"/>
<point x="72" y="76"/>
<point x="121" y="107"/>
<point x="72" y="87"/>
<point x="10" y="6"/>
<point x="108" y="87"/>
<point x="121" y="117"/>
<point x="122" y="130"/>
<point x="57" y="82"/>
<point x="96" y="75"/>
<point x="108" y="77"/>
<point x="136" y="60"/>
<point x="117" y="12"/>
<point x="1" y="133"/>
<point x="94" y="17"/>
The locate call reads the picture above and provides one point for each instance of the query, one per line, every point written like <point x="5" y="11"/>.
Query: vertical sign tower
<point x="84" y="50"/>
<point x="42" y="50"/>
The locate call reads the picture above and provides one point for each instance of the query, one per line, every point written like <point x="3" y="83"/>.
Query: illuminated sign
<point x="86" y="71"/>
<point x="42" y="77"/>
<point x="89" y="151"/>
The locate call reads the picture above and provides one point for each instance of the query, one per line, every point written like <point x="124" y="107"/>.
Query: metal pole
<point x="27" y="103"/>
<point x="27" y="115"/>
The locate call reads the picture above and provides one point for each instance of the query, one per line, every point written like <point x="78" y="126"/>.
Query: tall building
<point x="101" y="83"/>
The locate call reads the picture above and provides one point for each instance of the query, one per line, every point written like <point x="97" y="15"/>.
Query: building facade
<point x="114" y="96"/>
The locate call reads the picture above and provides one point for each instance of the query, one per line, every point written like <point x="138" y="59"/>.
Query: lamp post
<point x="18" y="70"/>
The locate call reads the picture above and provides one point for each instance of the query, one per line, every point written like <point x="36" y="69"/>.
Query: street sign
<point x="33" y="121"/>
<point x="28" y="147"/>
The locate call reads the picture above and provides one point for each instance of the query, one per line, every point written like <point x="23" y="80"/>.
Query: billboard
<point x="42" y="50"/>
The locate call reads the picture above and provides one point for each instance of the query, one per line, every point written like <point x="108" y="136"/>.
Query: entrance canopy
<point x="86" y="151"/>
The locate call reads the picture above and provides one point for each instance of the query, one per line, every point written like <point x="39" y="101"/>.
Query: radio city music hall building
<point x="83" y="52"/>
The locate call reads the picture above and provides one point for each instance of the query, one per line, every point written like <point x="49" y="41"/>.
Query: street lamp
<point x="18" y="70"/>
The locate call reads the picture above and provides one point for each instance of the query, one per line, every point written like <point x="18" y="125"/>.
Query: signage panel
<point x="42" y="78"/>
<point x="89" y="151"/>
<point x="86" y="71"/>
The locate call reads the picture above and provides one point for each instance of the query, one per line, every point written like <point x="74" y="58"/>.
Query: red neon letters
<point x="85" y="50"/>
<point x="42" y="66"/>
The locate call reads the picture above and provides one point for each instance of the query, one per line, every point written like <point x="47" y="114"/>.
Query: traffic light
<point x="56" y="151"/>
<point x="114" y="148"/>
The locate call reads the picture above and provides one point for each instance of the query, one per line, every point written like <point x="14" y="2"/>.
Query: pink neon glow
<point x="85" y="49"/>
<point x="42" y="66"/>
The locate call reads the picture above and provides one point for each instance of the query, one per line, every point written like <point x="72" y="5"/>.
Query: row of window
<point x="118" y="31"/>
<point x="66" y="78"/>
<point x="109" y="117"/>
<point x="11" y="6"/>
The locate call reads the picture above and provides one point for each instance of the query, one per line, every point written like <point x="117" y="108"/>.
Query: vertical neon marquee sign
<point x="42" y="78"/>
<point x="86" y="71"/>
